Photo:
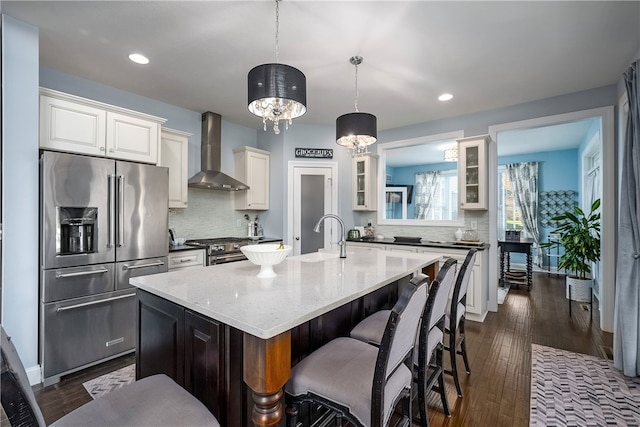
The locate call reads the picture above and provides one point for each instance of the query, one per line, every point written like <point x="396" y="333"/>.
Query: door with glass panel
<point x="313" y="195"/>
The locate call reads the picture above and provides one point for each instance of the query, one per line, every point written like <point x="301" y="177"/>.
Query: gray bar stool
<point x="152" y="401"/>
<point x="358" y="381"/>
<point x="455" y="318"/>
<point x="430" y="338"/>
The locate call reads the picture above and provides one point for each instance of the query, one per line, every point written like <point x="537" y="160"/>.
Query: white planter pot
<point x="580" y="289"/>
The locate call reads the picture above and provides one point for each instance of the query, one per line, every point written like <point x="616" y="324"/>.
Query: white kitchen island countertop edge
<point x="305" y="287"/>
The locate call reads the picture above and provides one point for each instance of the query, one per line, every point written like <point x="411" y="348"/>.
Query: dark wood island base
<point x="238" y="376"/>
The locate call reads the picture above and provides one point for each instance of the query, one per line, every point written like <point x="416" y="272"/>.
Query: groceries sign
<point x="315" y="153"/>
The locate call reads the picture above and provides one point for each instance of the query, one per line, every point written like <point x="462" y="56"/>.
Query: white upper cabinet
<point x="252" y="168"/>
<point x="472" y="172"/>
<point x="132" y="138"/>
<point x="364" y="169"/>
<point x="79" y="125"/>
<point x="174" y="151"/>
<point x="69" y="126"/>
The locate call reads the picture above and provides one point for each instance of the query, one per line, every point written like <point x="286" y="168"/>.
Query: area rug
<point x="571" y="389"/>
<point x="111" y="381"/>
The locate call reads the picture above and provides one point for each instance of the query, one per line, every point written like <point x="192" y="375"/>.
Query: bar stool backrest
<point x="445" y="278"/>
<point x="400" y="339"/>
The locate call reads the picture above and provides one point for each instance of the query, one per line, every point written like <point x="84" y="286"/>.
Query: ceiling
<point x="487" y="54"/>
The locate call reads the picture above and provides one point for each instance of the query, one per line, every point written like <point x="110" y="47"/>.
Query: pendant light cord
<point x="277" y="30"/>
<point x="357" y="93"/>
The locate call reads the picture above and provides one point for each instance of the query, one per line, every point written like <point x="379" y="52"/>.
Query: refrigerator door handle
<point x="111" y="210"/>
<point x="120" y="212"/>
<point x="134" y="267"/>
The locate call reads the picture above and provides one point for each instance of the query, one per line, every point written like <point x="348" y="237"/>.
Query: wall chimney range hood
<point x="210" y="177"/>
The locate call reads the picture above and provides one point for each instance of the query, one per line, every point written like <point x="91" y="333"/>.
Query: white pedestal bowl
<point x="266" y="256"/>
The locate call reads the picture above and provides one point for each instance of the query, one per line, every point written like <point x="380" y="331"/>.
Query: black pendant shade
<point x="279" y="85"/>
<point x="356" y="129"/>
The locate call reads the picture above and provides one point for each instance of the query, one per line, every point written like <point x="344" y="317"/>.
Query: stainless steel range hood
<point x="210" y="177"/>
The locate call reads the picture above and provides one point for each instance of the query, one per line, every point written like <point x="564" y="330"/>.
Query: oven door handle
<point x="230" y="258"/>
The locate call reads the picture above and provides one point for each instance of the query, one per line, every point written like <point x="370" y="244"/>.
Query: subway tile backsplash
<point x="210" y="213"/>
<point x="438" y="233"/>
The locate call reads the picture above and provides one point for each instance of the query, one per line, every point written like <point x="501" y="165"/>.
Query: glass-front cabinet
<point x="364" y="182"/>
<point x="472" y="172"/>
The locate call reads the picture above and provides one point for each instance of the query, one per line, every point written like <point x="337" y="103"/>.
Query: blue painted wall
<point x="557" y="170"/>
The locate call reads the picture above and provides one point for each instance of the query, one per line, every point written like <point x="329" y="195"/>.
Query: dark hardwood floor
<point x="497" y="391"/>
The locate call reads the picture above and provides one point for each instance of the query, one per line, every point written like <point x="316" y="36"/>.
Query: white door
<point x="311" y="195"/>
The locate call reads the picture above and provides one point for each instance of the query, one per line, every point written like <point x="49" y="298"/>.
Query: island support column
<point x="266" y="369"/>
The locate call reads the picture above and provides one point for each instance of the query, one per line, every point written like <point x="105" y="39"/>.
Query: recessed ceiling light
<point x="139" y="58"/>
<point x="445" y="97"/>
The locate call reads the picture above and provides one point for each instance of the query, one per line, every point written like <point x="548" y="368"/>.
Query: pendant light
<point x="451" y="154"/>
<point x="277" y="91"/>
<point x="356" y="131"/>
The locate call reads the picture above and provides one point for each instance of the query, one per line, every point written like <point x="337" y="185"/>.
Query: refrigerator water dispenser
<point x="76" y="230"/>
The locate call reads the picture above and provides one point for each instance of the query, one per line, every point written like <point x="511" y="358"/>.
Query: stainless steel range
<point x="222" y="249"/>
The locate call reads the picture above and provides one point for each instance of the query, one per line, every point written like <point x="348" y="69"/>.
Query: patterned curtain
<point x="524" y="184"/>
<point x="626" y="336"/>
<point x="426" y="188"/>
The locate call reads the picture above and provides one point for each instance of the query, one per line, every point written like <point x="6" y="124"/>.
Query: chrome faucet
<point x="342" y="243"/>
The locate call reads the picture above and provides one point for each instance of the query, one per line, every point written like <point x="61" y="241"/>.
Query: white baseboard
<point x="476" y="317"/>
<point x="34" y="374"/>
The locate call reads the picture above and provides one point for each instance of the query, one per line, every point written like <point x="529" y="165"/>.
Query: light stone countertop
<point x="305" y="287"/>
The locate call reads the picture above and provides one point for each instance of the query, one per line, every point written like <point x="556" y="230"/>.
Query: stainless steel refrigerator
<point x="102" y="222"/>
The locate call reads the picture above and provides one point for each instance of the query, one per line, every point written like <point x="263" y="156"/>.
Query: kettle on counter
<point x="353" y="234"/>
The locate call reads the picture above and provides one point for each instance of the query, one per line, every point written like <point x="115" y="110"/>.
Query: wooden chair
<point x="428" y="359"/>
<point x="455" y="317"/>
<point x="358" y="381"/>
<point x="152" y="401"/>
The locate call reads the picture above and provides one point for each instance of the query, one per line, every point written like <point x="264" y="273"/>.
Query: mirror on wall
<point x="416" y="185"/>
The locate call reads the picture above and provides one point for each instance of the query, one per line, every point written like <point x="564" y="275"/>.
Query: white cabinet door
<point x="68" y="126"/>
<point x="476" y="306"/>
<point x="472" y="172"/>
<point x="252" y="168"/>
<point x="79" y="125"/>
<point x="132" y="138"/>
<point x="364" y="169"/>
<point x="399" y="248"/>
<point x="474" y="294"/>
<point x="174" y="151"/>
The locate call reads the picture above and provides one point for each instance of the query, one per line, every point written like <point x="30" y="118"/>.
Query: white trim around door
<point x="329" y="200"/>
<point x="609" y="203"/>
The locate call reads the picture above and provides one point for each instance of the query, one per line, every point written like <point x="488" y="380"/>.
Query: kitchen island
<point x="211" y="328"/>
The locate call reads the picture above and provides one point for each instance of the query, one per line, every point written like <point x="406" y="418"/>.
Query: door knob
<point x="297" y="237"/>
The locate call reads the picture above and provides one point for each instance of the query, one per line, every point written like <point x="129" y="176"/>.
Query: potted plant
<point x="579" y="234"/>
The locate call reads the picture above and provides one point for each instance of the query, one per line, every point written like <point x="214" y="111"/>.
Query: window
<point x="509" y="216"/>
<point x="444" y="205"/>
